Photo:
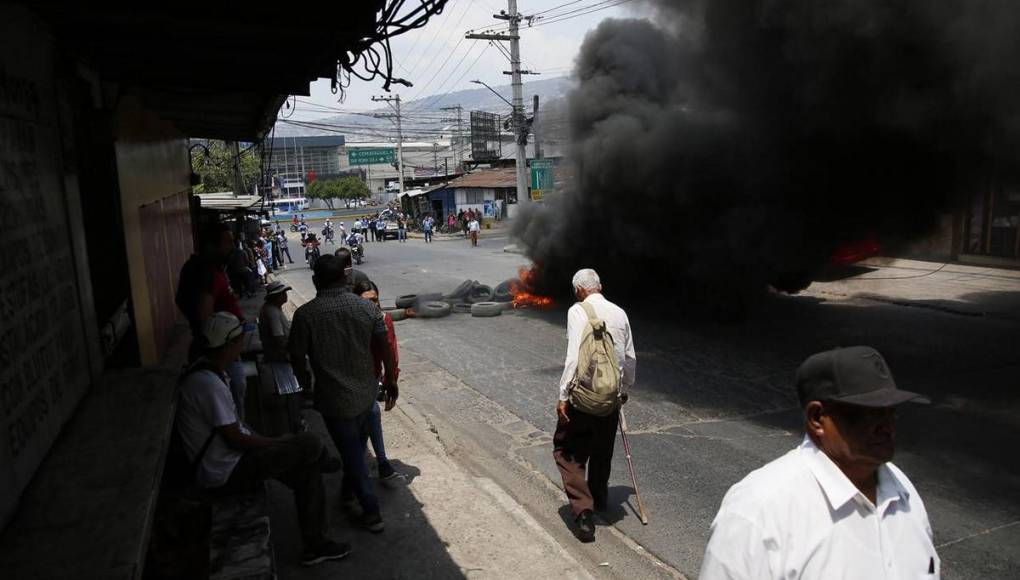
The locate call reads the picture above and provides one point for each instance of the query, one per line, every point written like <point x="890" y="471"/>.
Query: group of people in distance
<point x="340" y="350"/>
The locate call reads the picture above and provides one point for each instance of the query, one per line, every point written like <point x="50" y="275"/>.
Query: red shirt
<point x="391" y="334"/>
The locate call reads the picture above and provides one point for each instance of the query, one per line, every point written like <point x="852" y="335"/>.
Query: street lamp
<point x="521" y="159"/>
<point x="478" y="82"/>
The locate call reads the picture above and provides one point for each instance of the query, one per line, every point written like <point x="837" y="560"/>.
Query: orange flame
<point x="521" y="289"/>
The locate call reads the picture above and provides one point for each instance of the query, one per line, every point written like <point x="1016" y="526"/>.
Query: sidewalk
<point x="443" y="522"/>
<point x="948" y="287"/>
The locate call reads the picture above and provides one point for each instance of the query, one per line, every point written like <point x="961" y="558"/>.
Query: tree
<point x="326" y="190"/>
<point x="216" y="168"/>
<point x="352" y="188"/>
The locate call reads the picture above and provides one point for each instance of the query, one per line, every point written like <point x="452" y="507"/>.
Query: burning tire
<point x="504" y="292"/>
<point x="487" y="309"/>
<point x="434" y="310"/>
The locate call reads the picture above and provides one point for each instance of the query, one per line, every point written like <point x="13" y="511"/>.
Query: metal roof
<point x="225" y="200"/>
<point x="504" y="177"/>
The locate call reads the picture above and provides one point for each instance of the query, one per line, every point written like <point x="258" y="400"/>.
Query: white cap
<point x="221" y="329"/>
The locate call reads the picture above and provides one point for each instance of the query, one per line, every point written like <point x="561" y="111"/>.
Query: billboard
<point x="485" y="131"/>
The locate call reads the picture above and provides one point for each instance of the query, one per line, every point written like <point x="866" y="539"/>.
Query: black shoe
<point x="330" y="550"/>
<point x="373" y="523"/>
<point x="585" y="527"/>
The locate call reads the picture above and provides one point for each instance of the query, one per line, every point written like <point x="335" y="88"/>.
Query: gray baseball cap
<point x="856" y="375"/>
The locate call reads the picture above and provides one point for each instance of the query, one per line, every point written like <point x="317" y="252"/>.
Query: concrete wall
<point x="50" y="349"/>
<point x="48" y="335"/>
<point x="152" y="162"/>
<point x="940" y="245"/>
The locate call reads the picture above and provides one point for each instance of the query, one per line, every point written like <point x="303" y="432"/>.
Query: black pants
<point x="294" y="461"/>
<point x="585" y="440"/>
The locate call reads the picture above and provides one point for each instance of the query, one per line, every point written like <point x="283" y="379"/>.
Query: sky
<point x="438" y="59"/>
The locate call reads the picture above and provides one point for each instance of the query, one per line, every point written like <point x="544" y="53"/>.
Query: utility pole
<point x="456" y="141"/>
<point x="400" y="133"/>
<point x="534" y="129"/>
<point x="514" y="18"/>
<point x="435" y="158"/>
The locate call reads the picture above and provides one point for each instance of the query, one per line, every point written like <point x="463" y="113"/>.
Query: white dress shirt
<point x="618" y="326"/>
<point x="801" y="517"/>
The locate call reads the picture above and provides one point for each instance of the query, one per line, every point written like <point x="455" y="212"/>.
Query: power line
<point x="425" y="50"/>
<point x="433" y="100"/>
<point x="570" y="14"/>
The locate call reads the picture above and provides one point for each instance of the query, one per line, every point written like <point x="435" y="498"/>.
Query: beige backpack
<point x="595" y="389"/>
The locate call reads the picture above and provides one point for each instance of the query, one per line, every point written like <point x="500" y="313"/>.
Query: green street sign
<point x="543" y="179"/>
<point x="370" y="156"/>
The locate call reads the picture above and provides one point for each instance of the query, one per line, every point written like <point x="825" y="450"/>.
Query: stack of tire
<point x="473" y="297"/>
<point x="424" y="305"/>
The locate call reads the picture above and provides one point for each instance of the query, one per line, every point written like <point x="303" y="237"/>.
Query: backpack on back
<point x="595" y="389"/>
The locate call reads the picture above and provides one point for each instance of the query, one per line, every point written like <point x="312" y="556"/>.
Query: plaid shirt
<point x="335" y="332"/>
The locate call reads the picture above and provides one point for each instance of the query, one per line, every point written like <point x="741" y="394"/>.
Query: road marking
<point x="976" y="534"/>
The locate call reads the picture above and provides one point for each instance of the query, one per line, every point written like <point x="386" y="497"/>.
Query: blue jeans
<point x="428" y="236"/>
<point x="401" y="234"/>
<point x="375" y="435"/>
<point x="350" y="436"/>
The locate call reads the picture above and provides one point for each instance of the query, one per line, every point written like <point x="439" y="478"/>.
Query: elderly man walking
<point x="836" y="506"/>
<point x="599" y="369"/>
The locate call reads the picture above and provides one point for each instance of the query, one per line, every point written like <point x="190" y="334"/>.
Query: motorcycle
<point x="311" y="250"/>
<point x="311" y="255"/>
<point x="357" y="250"/>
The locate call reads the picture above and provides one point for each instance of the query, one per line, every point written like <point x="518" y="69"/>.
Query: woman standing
<point x="369" y="291"/>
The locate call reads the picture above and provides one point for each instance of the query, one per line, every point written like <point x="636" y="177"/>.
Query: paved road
<point x="714" y="401"/>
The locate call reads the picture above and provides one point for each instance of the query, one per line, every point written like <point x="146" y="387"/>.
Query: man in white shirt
<point x="228" y="456"/>
<point x="473" y="228"/>
<point x="582" y="439"/>
<point x="835" y="507"/>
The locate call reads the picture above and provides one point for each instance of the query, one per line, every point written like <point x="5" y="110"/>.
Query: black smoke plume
<point x="735" y="144"/>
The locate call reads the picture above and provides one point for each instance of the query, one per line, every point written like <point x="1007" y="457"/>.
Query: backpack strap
<point x="201" y="452"/>
<point x="590" y="311"/>
<point x="599" y="327"/>
<point x="199" y="365"/>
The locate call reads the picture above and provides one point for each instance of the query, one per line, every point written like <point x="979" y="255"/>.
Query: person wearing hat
<point x="836" y="506"/>
<point x="229" y="457"/>
<point x="278" y="376"/>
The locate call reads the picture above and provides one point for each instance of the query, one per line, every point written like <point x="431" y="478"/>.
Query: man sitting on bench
<point x="229" y="457"/>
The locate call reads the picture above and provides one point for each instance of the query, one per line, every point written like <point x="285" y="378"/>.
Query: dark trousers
<point x="585" y="440"/>
<point x="350" y="437"/>
<point x="428" y="236"/>
<point x="294" y="461"/>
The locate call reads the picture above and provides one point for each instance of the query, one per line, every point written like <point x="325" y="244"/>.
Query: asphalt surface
<point x="714" y="401"/>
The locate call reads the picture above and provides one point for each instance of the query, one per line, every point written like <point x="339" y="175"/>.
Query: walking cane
<point x="630" y="464"/>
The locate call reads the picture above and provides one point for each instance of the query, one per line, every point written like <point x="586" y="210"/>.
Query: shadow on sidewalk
<point x="409" y="548"/>
<point x="618" y="508"/>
